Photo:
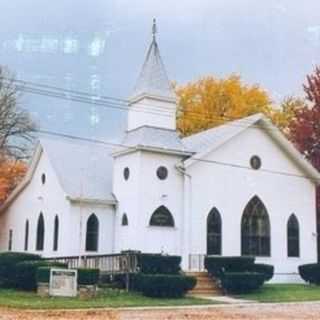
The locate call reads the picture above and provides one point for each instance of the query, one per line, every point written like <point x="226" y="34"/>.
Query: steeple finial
<point x="154" y="28"/>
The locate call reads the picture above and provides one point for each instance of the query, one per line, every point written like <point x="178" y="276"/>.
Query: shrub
<point x="26" y="277"/>
<point x="266" y="269"/>
<point x="8" y="262"/>
<point x="216" y="266"/>
<point x="310" y="273"/>
<point x="242" y="282"/>
<point x="88" y="276"/>
<point x="159" y="264"/>
<point x="43" y="274"/>
<point x="163" y="285"/>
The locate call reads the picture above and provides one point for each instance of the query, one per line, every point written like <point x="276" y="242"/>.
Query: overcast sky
<point x="99" y="46"/>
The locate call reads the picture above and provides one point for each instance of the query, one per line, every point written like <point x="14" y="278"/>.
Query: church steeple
<point x="153" y="92"/>
<point x="153" y="80"/>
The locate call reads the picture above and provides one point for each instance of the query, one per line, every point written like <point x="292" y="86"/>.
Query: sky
<point x="98" y="46"/>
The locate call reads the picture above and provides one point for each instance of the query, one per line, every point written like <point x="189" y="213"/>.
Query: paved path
<point x="290" y="311"/>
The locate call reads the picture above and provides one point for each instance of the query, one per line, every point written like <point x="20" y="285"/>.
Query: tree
<point x="209" y="102"/>
<point x="16" y="135"/>
<point x="286" y="113"/>
<point x="11" y="173"/>
<point x="16" y="126"/>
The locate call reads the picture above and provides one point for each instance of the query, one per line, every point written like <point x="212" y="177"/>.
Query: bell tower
<point x="153" y="102"/>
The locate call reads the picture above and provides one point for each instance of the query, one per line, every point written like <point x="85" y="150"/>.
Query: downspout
<point x="187" y="205"/>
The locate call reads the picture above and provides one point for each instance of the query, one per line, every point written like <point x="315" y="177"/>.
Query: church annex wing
<point x="208" y="141"/>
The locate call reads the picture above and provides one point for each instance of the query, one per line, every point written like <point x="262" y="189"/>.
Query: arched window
<point x="92" y="234"/>
<point x="10" y="240"/>
<point x="124" y="221"/>
<point x="293" y="244"/>
<point x="255" y="229"/>
<point x="162" y="217"/>
<point x="26" y="236"/>
<point x="214" y="226"/>
<point x="56" y="233"/>
<point x="40" y="233"/>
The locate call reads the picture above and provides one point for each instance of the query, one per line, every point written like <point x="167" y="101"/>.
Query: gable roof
<point x="207" y="141"/>
<point x="83" y="169"/>
<point x="214" y="137"/>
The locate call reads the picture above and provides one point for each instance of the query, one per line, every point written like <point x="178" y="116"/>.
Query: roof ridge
<point x="258" y="115"/>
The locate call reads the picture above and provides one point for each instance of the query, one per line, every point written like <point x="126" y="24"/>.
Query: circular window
<point x="255" y="162"/>
<point x="43" y="178"/>
<point x="126" y="173"/>
<point x="162" y="173"/>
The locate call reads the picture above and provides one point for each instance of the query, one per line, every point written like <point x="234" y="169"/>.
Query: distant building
<point x="237" y="189"/>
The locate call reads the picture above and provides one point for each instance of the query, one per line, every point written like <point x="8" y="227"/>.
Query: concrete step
<point x="205" y="284"/>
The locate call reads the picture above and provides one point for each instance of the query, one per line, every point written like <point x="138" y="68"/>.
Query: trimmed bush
<point x="163" y="285"/>
<point x="8" y="262"/>
<point x="88" y="276"/>
<point x="310" y="273"/>
<point x="216" y="266"/>
<point x="159" y="264"/>
<point x="266" y="269"/>
<point x="26" y="277"/>
<point x="242" y="282"/>
<point x="43" y="274"/>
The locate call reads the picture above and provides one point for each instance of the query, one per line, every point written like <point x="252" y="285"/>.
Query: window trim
<point x="26" y="235"/>
<point x="95" y="233"/>
<point x="293" y="218"/>
<point x="255" y="201"/>
<point x="40" y="242"/>
<point x="166" y="211"/>
<point x="56" y="229"/>
<point x="124" y="220"/>
<point x="214" y="214"/>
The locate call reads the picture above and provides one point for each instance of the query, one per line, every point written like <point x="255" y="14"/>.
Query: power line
<point x="122" y="104"/>
<point x="109" y="105"/>
<point x="128" y="147"/>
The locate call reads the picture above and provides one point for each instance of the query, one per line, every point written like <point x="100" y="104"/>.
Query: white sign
<point x="63" y="282"/>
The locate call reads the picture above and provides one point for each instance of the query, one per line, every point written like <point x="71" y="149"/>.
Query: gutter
<point x="100" y="202"/>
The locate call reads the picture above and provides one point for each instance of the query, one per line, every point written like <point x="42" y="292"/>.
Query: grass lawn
<point x="284" y="293"/>
<point x="106" y="298"/>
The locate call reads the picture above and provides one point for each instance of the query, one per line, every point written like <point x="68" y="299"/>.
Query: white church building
<point x="237" y="189"/>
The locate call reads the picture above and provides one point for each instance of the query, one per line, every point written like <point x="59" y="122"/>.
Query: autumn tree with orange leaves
<point x="210" y="102"/>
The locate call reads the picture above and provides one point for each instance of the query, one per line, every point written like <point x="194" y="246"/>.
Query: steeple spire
<point x="154" y="29"/>
<point x="153" y="80"/>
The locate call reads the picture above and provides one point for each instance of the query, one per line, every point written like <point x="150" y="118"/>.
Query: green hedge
<point x="242" y="282"/>
<point x="216" y="266"/>
<point x="26" y="277"/>
<point x="159" y="264"/>
<point x="85" y="276"/>
<point x="43" y="274"/>
<point x="88" y="276"/>
<point x="310" y="273"/>
<point x="266" y="269"/>
<point x="163" y="285"/>
<point x="8" y="262"/>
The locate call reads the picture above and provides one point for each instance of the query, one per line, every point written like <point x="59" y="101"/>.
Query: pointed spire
<point x="153" y="80"/>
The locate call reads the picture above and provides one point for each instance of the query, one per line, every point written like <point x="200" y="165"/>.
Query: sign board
<point x="63" y="282"/>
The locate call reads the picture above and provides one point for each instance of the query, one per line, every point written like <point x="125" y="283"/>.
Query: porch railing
<point x="109" y="263"/>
